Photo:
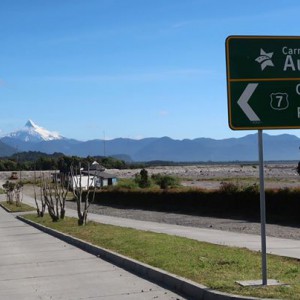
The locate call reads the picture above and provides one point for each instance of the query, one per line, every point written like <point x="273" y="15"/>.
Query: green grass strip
<point x="14" y="208"/>
<point x="217" y="267"/>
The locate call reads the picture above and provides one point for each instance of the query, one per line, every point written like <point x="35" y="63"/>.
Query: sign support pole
<point x="262" y="208"/>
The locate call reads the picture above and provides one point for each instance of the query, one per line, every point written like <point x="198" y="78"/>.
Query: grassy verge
<point x="13" y="208"/>
<point x="217" y="267"/>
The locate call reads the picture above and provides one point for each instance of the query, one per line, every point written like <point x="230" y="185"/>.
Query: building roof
<point x="96" y="166"/>
<point x="104" y="175"/>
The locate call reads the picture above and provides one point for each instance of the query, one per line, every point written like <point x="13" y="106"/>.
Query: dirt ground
<point x="277" y="176"/>
<point x="210" y="176"/>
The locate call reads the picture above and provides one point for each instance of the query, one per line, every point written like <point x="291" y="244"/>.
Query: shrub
<point x="142" y="179"/>
<point x="125" y="184"/>
<point x="228" y="187"/>
<point x="254" y="188"/>
<point x="165" y="181"/>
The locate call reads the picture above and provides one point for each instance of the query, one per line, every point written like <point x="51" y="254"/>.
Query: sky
<point x="103" y="69"/>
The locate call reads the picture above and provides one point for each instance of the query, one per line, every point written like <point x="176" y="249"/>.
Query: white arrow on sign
<point x="243" y="102"/>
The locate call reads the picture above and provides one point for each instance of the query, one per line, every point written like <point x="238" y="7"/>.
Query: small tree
<point x="9" y="188"/>
<point x="13" y="192"/>
<point x="81" y="194"/>
<point x="54" y="195"/>
<point x="19" y="193"/>
<point x="50" y="201"/>
<point x="142" y="179"/>
<point x="61" y="192"/>
<point x="40" y="212"/>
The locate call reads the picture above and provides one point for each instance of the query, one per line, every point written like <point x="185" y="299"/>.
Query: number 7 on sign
<point x="279" y="101"/>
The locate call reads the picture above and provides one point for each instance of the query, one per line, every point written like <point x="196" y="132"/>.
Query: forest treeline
<point x="32" y="160"/>
<point x="35" y="160"/>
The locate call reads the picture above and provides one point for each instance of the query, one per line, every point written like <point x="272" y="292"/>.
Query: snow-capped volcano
<point x="34" y="133"/>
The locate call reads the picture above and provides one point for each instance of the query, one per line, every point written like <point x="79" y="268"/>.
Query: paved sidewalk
<point x="35" y="265"/>
<point x="278" y="246"/>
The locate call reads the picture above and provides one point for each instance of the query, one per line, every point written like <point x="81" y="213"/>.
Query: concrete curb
<point x="167" y="280"/>
<point x="6" y="209"/>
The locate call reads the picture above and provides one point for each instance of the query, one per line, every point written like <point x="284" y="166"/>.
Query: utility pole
<point x="104" y="146"/>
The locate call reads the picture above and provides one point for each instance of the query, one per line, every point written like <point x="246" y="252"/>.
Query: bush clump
<point x="165" y="181"/>
<point x="228" y="187"/>
<point x="142" y="179"/>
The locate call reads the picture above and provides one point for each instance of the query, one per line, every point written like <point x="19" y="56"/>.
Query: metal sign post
<point x="262" y="209"/>
<point x="263" y="86"/>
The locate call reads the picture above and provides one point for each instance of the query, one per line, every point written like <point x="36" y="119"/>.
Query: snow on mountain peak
<point x="34" y="133"/>
<point x="30" y="124"/>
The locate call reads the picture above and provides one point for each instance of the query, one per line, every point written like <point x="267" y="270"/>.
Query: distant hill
<point x="6" y="150"/>
<point x="279" y="147"/>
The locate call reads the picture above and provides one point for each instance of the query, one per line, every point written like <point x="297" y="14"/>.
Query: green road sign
<point x="263" y="82"/>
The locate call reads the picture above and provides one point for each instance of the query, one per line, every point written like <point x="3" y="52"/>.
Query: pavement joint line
<point x="172" y="282"/>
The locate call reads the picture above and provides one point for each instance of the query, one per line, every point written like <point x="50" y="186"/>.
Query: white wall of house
<point x="94" y="181"/>
<point x="86" y="182"/>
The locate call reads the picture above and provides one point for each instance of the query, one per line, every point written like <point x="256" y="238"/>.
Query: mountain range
<point x="35" y="138"/>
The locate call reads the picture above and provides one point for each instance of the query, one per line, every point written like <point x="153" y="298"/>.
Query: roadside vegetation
<point x="12" y="207"/>
<point x="162" y="181"/>
<point x="217" y="267"/>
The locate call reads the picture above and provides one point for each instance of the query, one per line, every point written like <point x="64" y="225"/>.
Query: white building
<point x="94" y="177"/>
